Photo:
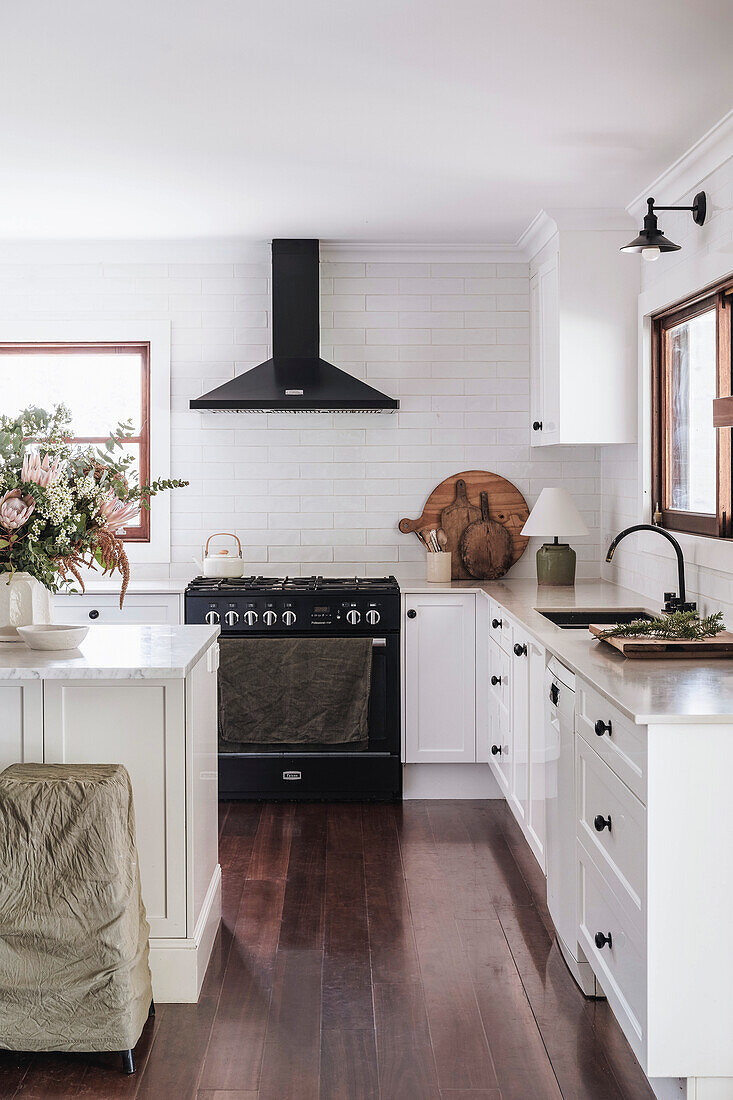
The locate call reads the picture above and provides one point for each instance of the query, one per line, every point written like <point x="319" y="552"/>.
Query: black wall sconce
<point x="651" y="242"/>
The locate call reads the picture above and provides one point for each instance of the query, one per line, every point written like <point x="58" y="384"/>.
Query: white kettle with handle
<point x="221" y="563"/>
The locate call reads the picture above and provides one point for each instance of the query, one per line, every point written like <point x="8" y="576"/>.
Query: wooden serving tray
<point x="669" y="648"/>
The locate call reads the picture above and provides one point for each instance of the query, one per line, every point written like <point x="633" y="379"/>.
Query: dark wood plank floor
<point x="391" y="952"/>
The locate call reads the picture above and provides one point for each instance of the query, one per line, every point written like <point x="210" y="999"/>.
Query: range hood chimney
<point x="296" y="379"/>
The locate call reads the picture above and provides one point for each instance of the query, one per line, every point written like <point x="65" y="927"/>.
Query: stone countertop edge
<point x="648" y="691"/>
<point x="123" y="652"/>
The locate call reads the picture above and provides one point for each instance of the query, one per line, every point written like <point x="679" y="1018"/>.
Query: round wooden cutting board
<point x="507" y="506"/>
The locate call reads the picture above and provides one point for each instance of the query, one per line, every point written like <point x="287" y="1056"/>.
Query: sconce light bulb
<point x="651" y="253"/>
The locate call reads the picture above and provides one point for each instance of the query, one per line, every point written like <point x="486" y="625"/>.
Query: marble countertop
<point x="114" y="653"/>
<point x="648" y="691"/>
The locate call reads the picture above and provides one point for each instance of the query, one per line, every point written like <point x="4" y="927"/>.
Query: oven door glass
<point x="383" y="714"/>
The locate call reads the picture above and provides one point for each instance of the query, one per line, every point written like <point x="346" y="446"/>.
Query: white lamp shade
<point x="554" y="516"/>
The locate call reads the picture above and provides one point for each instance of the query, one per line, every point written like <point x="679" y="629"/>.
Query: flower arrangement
<point x="64" y="505"/>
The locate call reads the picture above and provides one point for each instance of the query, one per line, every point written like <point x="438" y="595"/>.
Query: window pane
<point x="101" y="389"/>
<point x="690" y="358"/>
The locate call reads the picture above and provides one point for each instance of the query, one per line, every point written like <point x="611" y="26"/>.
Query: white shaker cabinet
<point x="104" y="608"/>
<point x="21" y="715"/>
<point x="527" y="790"/>
<point x="440" y="677"/>
<point x="583" y="336"/>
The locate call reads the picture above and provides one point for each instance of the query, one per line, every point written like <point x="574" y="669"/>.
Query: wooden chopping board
<point x="669" y="648"/>
<point x="506" y="505"/>
<point x="455" y="519"/>
<point x="485" y="546"/>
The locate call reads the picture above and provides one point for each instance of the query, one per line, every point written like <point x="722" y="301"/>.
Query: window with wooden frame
<point x="691" y="460"/>
<point x="102" y="384"/>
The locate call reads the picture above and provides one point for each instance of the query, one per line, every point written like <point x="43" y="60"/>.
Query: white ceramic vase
<point x="24" y="601"/>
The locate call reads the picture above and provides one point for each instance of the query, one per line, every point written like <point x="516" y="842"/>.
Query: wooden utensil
<point x="506" y="505"/>
<point x="719" y="646"/>
<point x="454" y="519"/>
<point x="485" y="546"/>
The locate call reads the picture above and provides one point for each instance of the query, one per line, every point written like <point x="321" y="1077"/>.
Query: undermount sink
<point x="580" y="619"/>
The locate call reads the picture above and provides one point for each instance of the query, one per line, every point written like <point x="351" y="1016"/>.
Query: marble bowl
<point x="53" y="636"/>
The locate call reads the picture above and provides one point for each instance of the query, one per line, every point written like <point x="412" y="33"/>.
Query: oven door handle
<point x="378" y="642"/>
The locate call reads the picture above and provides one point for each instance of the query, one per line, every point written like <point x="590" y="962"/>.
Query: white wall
<point x="323" y="493"/>
<point x="645" y="562"/>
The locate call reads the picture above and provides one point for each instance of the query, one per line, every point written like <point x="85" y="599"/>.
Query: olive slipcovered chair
<point x="74" y="972"/>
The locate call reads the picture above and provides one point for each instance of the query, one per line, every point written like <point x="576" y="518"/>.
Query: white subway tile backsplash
<point x="324" y="492"/>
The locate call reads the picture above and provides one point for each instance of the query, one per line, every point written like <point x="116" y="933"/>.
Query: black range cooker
<point x="306" y="607"/>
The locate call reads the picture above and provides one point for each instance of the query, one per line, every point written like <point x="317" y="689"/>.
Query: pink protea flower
<point x="15" y="509"/>
<point x="40" y="472"/>
<point x="115" y="513"/>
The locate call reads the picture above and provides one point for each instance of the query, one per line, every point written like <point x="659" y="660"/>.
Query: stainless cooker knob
<point x="353" y="617"/>
<point x="373" y="617"/>
<point x="250" y="617"/>
<point x="288" y="617"/>
<point x="231" y="618"/>
<point x="269" y="618"/>
<point x="212" y="617"/>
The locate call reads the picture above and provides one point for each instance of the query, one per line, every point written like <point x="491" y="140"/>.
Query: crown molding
<point x="547" y="223"/>
<point x="398" y="252"/>
<point x="231" y="250"/>
<point x="690" y="170"/>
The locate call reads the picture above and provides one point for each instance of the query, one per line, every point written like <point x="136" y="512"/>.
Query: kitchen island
<point x="145" y="697"/>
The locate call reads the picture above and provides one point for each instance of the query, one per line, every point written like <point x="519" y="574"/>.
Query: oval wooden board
<point x="506" y="505"/>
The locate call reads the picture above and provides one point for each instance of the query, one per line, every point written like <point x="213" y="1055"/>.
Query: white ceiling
<point x="429" y="120"/>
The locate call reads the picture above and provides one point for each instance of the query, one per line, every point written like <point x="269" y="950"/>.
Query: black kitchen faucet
<point x="672" y="601"/>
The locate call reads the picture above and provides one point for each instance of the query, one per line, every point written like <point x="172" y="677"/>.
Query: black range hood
<point x="296" y="379"/>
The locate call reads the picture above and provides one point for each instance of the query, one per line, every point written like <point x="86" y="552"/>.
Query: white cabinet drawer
<point x="621" y="965"/>
<point x="500" y="626"/>
<point x="105" y="609"/>
<point x="615" y="738"/>
<point x="612" y="825"/>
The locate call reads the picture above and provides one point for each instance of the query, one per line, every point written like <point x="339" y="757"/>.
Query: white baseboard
<point x="449" y="781"/>
<point x="178" y="966"/>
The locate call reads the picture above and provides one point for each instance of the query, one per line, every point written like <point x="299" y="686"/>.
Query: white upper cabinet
<point x="583" y="335"/>
<point x="440" y="678"/>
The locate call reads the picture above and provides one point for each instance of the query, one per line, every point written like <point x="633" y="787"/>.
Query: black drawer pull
<point x="520" y="650"/>
<point x="602" y="727"/>
<point x="495" y="680"/>
<point x="94" y="614"/>
<point x="496" y="750"/>
<point x="602" y="940"/>
<point x="412" y="613"/>
<point x="602" y="823"/>
<point x="554" y="694"/>
<point x="496" y="623"/>
<point x="537" y="426"/>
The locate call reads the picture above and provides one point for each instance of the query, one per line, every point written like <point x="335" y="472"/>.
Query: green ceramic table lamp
<point x="555" y="514"/>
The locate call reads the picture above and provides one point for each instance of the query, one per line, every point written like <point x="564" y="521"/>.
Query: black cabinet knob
<point x="412" y="613"/>
<point x="496" y="750"/>
<point x="520" y="650"/>
<point x="536" y="425"/>
<point x="495" y="680"/>
<point x="602" y="823"/>
<point x="94" y="614"/>
<point x="602" y="940"/>
<point x="496" y="623"/>
<point x="602" y="727"/>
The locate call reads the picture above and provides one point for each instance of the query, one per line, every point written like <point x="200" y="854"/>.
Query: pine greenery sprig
<point x="682" y="625"/>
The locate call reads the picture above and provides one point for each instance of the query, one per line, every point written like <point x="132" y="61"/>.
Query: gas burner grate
<point x="333" y="585"/>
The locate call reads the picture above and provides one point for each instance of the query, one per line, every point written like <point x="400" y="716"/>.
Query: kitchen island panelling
<point x="145" y="697"/>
